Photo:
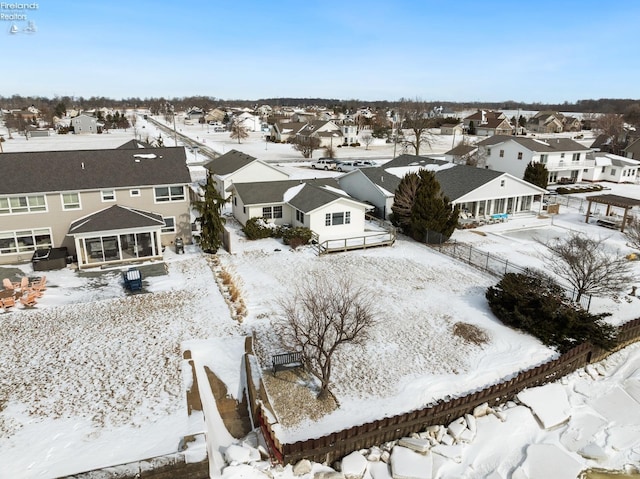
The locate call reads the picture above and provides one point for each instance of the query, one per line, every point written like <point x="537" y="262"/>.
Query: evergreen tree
<point x="210" y="219"/>
<point x="432" y="211"/>
<point x="536" y="174"/>
<point x="534" y="303"/>
<point x="420" y="207"/>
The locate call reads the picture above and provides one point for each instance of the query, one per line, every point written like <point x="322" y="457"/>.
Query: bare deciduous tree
<point x="323" y="315"/>
<point x="367" y="139"/>
<point x="306" y="145"/>
<point x="238" y="130"/>
<point x="330" y="152"/>
<point x="587" y="265"/>
<point x="415" y="117"/>
<point x="632" y="232"/>
<point x="612" y="125"/>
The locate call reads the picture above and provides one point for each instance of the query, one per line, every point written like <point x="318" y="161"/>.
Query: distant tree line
<point x="602" y="105"/>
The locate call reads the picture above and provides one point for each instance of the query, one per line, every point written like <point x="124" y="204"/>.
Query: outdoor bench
<point x="286" y="359"/>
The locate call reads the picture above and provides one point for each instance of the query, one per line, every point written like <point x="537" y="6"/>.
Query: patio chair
<point x="24" y="283"/>
<point x="6" y="282"/>
<point x="39" y="284"/>
<point x="29" y="300"/>
<point x="8" y="302"/>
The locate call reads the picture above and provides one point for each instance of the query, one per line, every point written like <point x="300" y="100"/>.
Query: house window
<point x="235" y="201"/>
<point x="543" y="158"/>
<point x="340" y="218"/>
<point x="519" y="155"/>
<point x="501" y="153"/>
<point x="502" y="183"/>
<point x="561" y="155"/>
<point x="576" y="157"/>
<point x="134" y="193"/>
<point x="269" y="212"/>
<point x="169" y="224"/>
<point x="169" y="193"/>
<point x="266" y="212"/>
<point x="299" y="216"/>
<point x="488" y="151"/>
<point x="277" y="211"/>
<point x="24" y="240"/>
<point x="612" y="172"/>
<point x="71" y="201"/>
<point x="22" y="204"/>
<point x="604" y="168"/>
<point x="108" y="195"/>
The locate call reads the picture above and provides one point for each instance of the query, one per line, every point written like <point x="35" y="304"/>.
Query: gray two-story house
<point x="104" y="206"/>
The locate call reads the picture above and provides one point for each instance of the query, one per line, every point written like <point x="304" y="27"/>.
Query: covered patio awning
<point x="610" y="200"/>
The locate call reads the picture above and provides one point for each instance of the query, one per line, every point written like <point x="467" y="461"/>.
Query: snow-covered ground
<point x="92" y="377"/>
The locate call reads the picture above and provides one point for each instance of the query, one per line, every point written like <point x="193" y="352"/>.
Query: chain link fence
<point x="496" y="266"/>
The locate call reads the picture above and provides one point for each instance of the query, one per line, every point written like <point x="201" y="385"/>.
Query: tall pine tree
<point x="210" y="219"/>
<point x="537" y="174"/>
<point x="433" y="219"/>
<point x="420" y="207"/>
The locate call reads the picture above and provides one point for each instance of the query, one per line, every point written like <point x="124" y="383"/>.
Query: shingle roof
<point x="461" y="150"/>
<point x="547" y="145"/>
<point x="47" y="171"/>
<point x="382" y="178"/>
<point x="311" y="197"/>
<point x="115" y="218"/>
<point x="273" y="191"/>
<point x="633" y="147"/>
<point x="135" y="144"/>
<point x="455" y="181"/>
<point x="229" y="162"/>
<point x="459" y="180"/>
<point x="412" y="160"/>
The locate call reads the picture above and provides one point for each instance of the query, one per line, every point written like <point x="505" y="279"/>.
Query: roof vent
<point x="82" y="165"/>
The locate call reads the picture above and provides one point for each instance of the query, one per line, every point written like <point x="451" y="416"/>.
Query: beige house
<point x="104" y="206"/>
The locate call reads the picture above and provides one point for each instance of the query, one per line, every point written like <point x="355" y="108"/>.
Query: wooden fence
<point x="329" y="448"/>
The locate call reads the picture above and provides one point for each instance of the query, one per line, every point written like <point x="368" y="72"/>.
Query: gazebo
<point x="612" y="200"/>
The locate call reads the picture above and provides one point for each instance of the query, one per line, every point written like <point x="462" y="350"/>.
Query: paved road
<point x="202" y="149"/>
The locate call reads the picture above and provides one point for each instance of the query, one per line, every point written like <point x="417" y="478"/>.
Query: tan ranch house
<point x="105" y="206"/>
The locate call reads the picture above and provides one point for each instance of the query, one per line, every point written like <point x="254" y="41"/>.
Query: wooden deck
<point x="357" y="242"/>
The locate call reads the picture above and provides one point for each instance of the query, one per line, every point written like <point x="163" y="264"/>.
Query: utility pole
<point x="175" y="134"/>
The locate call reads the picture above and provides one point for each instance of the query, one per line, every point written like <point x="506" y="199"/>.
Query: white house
<point x="564" y="158"/>
<point x="610" y="167"/>
<point x="479" y="192"/>
<point x="249" y="121"/>
<point x="237" y="167"/>
<point x="319" y="205"/>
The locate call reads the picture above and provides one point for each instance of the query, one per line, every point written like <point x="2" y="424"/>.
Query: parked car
<point x="366" y="163"/>
<point x="324" y="164"/>
<point x="348" y="165"/>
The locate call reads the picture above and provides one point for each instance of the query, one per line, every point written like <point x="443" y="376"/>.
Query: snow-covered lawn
<point x="88" y="382"/>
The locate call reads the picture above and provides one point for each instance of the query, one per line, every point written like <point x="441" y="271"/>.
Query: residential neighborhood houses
<point x="122" y="207"/>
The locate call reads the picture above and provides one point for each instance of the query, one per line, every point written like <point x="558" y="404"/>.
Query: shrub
<point x="295" y="237"/>
<point x="257" y="228"/>
<point x="535" y="304"/>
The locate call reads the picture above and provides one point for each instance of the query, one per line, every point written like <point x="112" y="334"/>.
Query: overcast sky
<point x="542" y="51"/>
